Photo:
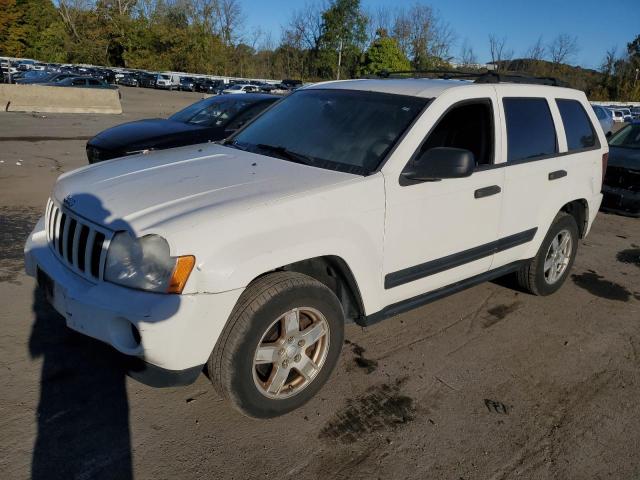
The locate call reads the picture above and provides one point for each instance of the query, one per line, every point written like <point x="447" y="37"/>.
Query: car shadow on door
<point x="83" y="412"/>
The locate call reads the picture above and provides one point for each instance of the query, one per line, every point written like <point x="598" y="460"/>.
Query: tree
<point x="563" y="48"/>
<point x="384" y="54"/>
<point x="343" y="38"/>
<point x="467" y="55"/>
<point x="21" y="24"/>
<point x="423" y="36"/>
<point x="500" y="55"/>
<point x="536" y="51"/>
<point x="300" y="41"/>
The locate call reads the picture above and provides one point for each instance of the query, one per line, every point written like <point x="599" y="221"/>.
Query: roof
<point x="428" y="87"/>
<point x="246" y="97"/>
<point x="416" y="87"/>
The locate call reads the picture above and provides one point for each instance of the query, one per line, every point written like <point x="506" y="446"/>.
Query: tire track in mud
<point x="16" y="224"/>
<point x="563" y="424"/>
<point x="381" y="408"/>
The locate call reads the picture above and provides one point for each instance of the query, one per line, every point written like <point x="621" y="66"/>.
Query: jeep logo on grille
<point x="69" y="201"/>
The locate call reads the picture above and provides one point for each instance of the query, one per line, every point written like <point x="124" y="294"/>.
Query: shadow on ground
<point x="83" y="413"/>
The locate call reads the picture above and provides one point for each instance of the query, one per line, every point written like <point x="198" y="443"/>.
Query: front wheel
<point x="548" y="270"/>
<point x="280" y="345"/>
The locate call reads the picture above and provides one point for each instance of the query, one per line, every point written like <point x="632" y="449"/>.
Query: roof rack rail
<point x="487" y="76"/>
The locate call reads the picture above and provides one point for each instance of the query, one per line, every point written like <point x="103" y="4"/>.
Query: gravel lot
<point x="489" y="383"/>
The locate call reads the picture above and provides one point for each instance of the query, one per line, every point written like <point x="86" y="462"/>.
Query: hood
<point x="143" y="191"/>
<point x="141" y="132"/>
<point x="624" y="157"/>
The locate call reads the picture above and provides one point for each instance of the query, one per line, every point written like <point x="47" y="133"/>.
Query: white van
<point x="168" y="81"/>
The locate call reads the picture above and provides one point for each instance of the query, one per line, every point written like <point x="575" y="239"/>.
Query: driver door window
<point x="469" y="126"/>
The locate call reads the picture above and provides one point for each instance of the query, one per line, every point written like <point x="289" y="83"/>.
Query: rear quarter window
<point x="531" y="132"/>
<point x="577" y="126"/>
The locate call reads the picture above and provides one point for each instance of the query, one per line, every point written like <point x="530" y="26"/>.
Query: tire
<point x="533" y="276"/>
<point x="258" y="319"/>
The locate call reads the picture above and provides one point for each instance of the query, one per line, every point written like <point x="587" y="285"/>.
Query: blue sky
<point x="598" y="24"/>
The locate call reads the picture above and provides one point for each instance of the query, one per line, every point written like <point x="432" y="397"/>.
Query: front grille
<point x="623" y="178"/>
<point x="78" y="243"/>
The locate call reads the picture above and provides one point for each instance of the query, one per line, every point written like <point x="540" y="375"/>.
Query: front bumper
<point x="174" y="333"/>
<point x="621" y="201"/>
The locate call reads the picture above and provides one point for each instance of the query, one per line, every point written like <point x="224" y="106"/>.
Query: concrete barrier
<point x="40" y="98"/>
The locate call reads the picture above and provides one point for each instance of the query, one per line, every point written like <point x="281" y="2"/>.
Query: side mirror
<point x="440" y="162"/>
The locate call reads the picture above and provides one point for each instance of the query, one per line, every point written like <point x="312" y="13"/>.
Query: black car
<point x="128" y="80"/>
<point x="187" y="84"/>
<point x="50" y="78"/>
<point x="81" y="82"/>
<point x="210" y="119"/>
<point x="209" y="86"/>
<point x="147" y="80"/>
<point x="621" y="186"/>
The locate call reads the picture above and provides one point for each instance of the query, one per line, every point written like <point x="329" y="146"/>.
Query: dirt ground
<point x="490" y="383"/>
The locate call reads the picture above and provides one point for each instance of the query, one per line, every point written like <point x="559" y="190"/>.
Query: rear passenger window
<point x="577" y="127"/>
<point x="530" y="129"/>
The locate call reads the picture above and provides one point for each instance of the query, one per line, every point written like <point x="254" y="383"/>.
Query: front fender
<point x="347" y="222"/>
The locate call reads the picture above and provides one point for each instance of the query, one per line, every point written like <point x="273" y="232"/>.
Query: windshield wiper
<point x="227" y="142"/>
<point x="286" y="153"/>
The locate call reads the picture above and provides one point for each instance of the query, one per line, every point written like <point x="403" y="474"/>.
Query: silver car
<point x="605" y="118"/>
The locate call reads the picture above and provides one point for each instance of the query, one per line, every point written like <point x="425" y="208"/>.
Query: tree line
<point x="325" y="39"/>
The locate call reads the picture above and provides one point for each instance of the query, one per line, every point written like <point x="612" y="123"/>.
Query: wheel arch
<point x="579" y="210"/>
<point x="334" y="272"/>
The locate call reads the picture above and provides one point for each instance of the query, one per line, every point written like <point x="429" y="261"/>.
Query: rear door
<point x="545" y="167"/>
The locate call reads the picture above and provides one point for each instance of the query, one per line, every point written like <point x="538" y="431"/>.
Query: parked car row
<point x="32" y="72"/>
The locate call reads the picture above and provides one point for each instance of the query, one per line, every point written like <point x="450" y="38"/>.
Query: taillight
<point x="605" y="160"/>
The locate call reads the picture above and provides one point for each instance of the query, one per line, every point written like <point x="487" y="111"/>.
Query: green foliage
<point x="324" y="40"/>
<point x="21" y="24"/>
<point x="384" y="54"/>
<point x="343" y="38"/>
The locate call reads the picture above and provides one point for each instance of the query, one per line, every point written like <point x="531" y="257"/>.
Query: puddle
<point x="382" y="407"/>
<point x="631" y="255"/>
<point x="600" y="287"/>
<point x="499" y="313"/>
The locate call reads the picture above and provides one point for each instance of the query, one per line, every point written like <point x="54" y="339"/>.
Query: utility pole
<point x="339" y="59"/>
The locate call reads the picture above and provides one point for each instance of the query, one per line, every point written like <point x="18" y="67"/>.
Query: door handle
<point x="557" y="174"/>
<point x="487" y="191"/>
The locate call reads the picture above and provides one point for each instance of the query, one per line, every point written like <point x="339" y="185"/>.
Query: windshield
<point x="346" y="130"/>
<point x="163" y="77"/>
<point x="210" y="113"/>
<point x="628" y="137"/>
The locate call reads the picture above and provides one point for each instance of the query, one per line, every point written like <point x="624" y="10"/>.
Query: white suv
<point x="346" y="200"/>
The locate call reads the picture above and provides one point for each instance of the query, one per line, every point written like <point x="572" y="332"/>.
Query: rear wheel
<point x="280" y="345"/>
<point x="548" y="270"/>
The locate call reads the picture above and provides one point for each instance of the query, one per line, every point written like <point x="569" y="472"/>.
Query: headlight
<point x="146" y="264"/>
